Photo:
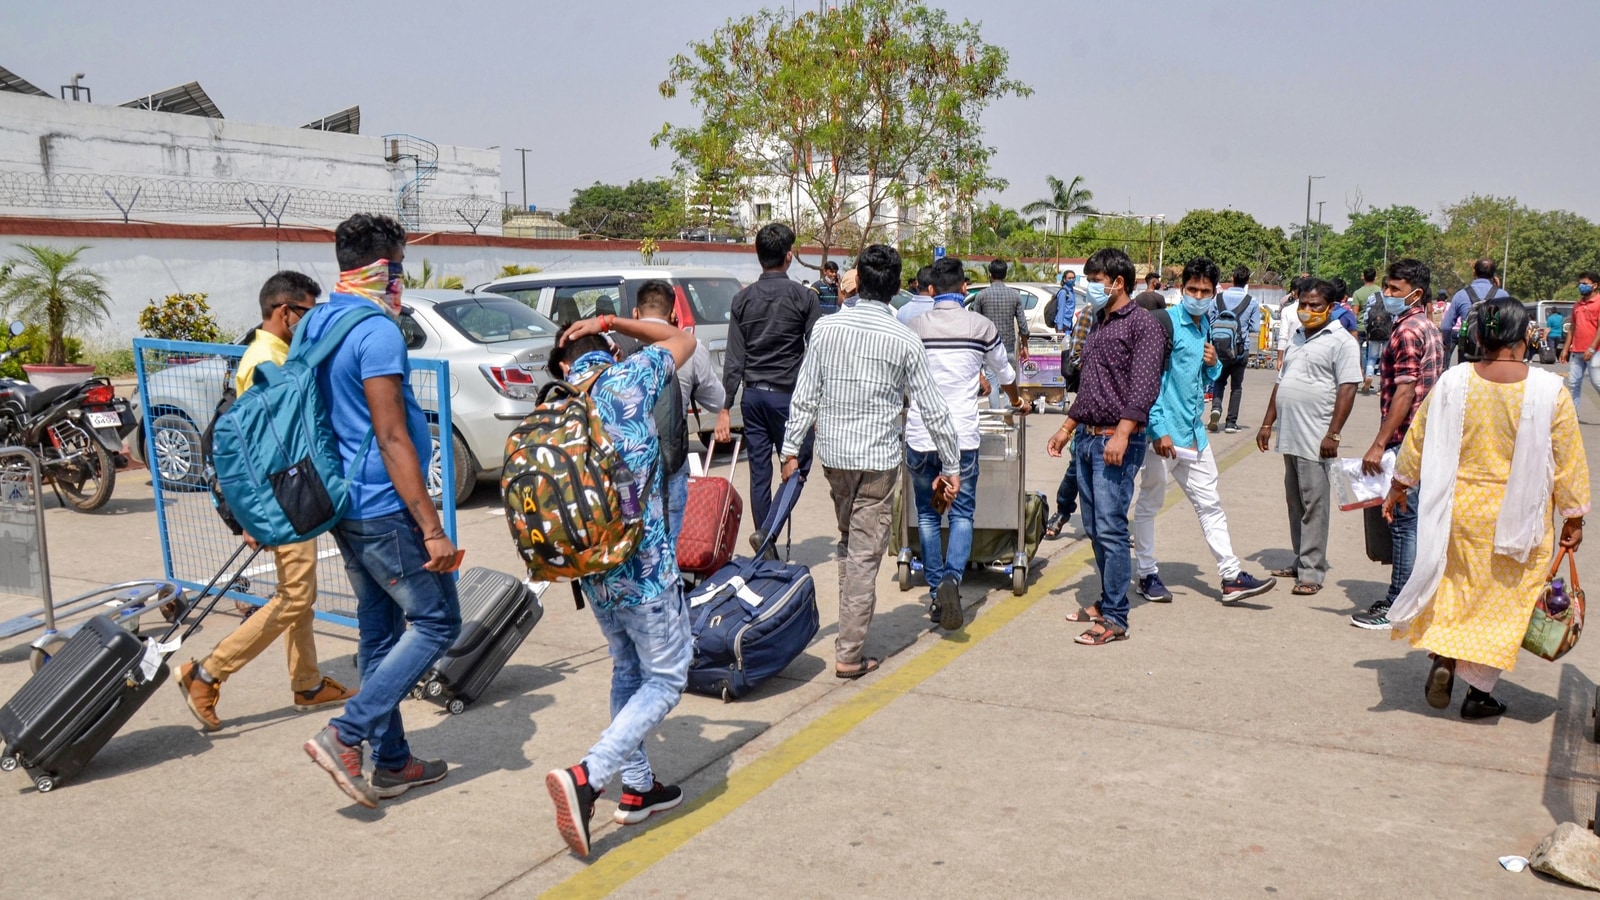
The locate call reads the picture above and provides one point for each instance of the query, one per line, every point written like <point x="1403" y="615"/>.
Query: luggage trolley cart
<point x="1039" y="376"/>
<point x="1000" y="523"/>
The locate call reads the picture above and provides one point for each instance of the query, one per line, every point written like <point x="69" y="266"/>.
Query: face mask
<point x="1097" y="295"/>
<point x="1311" y="321"/>
<point x="1585" y="289"/>
<point x="379" y="282"/>
<point x="1197" y="306"/>
<point x="1394" y="306"/>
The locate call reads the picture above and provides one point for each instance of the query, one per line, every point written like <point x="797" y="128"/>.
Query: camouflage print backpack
<point x="572" y="503"/>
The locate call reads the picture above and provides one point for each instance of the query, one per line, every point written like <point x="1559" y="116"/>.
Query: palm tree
<point x="430" y="280"/>
<point x="1065" y="200"/>
<point x="47" y="287"/>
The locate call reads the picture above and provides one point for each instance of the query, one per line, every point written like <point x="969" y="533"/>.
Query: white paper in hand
<point x="1355" y="489"/>
<point x="1186" y="454"/>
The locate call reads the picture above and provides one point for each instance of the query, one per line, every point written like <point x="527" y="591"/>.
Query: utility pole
<point x="1319" y="237"/>
<point x="524" y="152"/>
<point x="1505" y="263"/>
<point x="1385" y="246"/>
<point x="1305" y="229"/>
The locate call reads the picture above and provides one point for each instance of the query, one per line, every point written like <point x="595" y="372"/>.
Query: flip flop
<point x="1303" y="589"/>
<point x="868" y="664"/>
<point x="1105" y="635"/>
<point x="1284" y="573"/>
<point x="1085" y="615"/>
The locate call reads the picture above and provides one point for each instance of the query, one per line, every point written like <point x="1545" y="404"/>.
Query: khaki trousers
<point x="862" y="504"/>
<point x="288" y="613"/>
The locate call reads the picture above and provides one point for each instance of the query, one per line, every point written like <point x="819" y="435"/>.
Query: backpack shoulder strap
<point x="1243" y="305"/>
<point x="319" y="350"/>
<point x="1472" y="295"/>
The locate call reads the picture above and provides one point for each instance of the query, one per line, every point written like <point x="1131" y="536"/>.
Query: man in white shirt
<point x="922" y="300"/>
<point x="960" y="345"/>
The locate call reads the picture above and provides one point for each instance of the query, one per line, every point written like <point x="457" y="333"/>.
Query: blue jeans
<point x="383" y="557"/>
<point x="766" y="415"/>
<point x="677" y="499"/>
<point x="939" y="563"/>
<point x="650" y="653"/>
<point x="1067" y="492"/>
<point x="1403" y="531"/>
<point x="1105" y="492"/>
<point x="1577" y="369"/>
<point x="1371" y="352"/>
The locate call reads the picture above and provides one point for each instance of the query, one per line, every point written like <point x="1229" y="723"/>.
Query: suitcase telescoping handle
<point x="733" y="461"/>
<point x="226" y="567"/>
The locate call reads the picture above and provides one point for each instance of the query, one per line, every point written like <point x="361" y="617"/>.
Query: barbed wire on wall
<point x="130" y="197"/>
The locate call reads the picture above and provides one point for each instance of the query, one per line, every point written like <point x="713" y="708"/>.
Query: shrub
<point x="180" y="317"/>
<point x="31" y="346"/>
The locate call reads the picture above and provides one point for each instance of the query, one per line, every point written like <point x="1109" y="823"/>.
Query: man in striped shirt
<point x="859" y="367"/>
<point x="960" y="344"/>
<point x="1001" y="304"/>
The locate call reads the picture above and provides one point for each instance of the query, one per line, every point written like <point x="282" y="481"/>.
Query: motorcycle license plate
<point x="104" y="420"/>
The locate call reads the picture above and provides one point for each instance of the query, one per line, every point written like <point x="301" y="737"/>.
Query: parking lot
<point x="1264" y="747"/>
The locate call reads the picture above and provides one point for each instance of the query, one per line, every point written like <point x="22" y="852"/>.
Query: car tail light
<point x="100" y="395"/>
<point x="514" y="381"/>
<point x="681" y="309"/>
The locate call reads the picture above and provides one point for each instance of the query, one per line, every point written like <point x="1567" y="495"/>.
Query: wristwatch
<point x="1334" y="435"/>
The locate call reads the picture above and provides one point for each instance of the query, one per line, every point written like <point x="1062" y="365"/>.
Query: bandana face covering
<point x="379" y="282"/>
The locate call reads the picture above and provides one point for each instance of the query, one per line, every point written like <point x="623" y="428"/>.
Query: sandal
<point x="1052" y="528"/>
<point x="1285" y="573"/>
<point x="867" y="665"/>
<point x="1303" y="589"/>
<point x="1092" y="614"/>
<point x="1101" y="633"/>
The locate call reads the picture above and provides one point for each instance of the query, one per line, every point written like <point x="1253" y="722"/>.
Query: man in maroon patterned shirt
<point x="1411" y="363"/>
<point x="1119" y="380"/>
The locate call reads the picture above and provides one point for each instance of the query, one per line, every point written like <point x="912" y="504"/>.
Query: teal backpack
<point x="274" y="452"/>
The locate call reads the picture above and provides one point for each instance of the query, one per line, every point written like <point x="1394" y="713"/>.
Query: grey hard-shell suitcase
<point x="497" y="613"/>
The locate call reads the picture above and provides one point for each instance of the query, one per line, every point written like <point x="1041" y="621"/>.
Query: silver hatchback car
<point x="498" y="350"/>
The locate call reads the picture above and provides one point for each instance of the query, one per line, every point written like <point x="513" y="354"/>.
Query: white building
<point x="171" y="157"/>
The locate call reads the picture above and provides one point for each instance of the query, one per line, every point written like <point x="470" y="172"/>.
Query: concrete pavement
<point x="1265" y="747"/>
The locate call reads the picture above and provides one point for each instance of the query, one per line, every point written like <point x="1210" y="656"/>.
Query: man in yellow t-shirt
<point x="285" y="299"/>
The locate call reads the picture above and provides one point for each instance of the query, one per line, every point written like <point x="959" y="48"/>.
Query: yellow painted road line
<point x="623" y="863"/>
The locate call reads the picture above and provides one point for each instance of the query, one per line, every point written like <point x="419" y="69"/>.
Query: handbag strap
<point x="1572" y="568"/>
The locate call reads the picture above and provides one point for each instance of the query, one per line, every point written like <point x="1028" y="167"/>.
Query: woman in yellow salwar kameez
<point x="1493" y="443"/>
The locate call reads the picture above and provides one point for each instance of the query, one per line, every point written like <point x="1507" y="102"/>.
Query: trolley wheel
<point x="727" y="695"/>
<point x="8" y="763"/>
<point x="36" y="660"/>
<point x="435" y="689"/>
<point x="903" y="576"/>
<point x="1019" y="580"/>
<point x="45" y="784"/>
<point x="457" y="706"/>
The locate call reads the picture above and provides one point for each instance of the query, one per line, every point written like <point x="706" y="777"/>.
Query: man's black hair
<point x="1112" y="263"/>
<point x="1241" y="276"/>
<point x="924" y="278"/>
<point x="363" y="239"/>
<point x="1414" y="272"/>
<point x="878" y="272"/>
<point x="1483" y="268"/>
<point x="997" y="270"/>
<point x="773" y="243"/>
<point x="1322" y="287"/>
<point x="1369" y="274"/>
<point x="830" y="266"/>
<point x="1200" y="267"/>
<point x="947" y="275"/>
<point x="655" y="295"/>
<point x="1593" y="278"/>
<point x="575" y="350"/>
<point x="287" y="287"/>
<point x="1502" y="322"/>
<point x="1152" y="278"/>
<point x="1340" y="289"/>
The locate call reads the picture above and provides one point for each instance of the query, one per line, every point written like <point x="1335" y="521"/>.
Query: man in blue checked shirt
<point x="1175" y="425"/>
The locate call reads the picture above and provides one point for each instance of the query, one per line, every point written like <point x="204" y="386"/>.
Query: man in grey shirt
<point x="1001" y="304"/>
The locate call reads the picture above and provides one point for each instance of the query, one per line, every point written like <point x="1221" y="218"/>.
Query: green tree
<point x="1548" y="251"/>
<point x="639" y="209"/>
<point x="48" y="288"/>
<point x="431" y="279"/>
<point x="1402" y="231"/>
<point x="1065" y="201"/>
<point x="1231" y="238"/>
<point x="992" y="224"/>
<point x="867" y="107"/>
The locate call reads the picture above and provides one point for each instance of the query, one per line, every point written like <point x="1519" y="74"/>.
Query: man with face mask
<point x="1178" y="439"/>
<point x="1315" y="390"/>
<point x="1582" y="332"/>
<point x="395" y="549"/>
<point x="285" y="299"/>
<point x="1412" y="361"/>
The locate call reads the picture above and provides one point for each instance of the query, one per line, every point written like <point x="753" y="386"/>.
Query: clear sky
<point x="1163" y="106"/>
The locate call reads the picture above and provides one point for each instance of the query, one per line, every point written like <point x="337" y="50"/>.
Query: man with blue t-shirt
<point x="395" y="551"/>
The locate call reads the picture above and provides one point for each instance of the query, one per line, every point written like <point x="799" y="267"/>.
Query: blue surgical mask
<point x="1197" y="306"/>
<point x="1585" y="289"/>
<point x="1394" y="306"/>
<point x="1097" y="295"/>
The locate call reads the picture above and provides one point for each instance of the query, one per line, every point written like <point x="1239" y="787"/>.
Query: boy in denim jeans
<point x="639" y="605"/>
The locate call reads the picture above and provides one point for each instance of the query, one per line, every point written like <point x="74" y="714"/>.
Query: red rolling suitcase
<point x="711" y="520"/>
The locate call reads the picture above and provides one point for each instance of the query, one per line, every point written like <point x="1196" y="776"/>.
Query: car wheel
<point x="466" y="468"/>
<point x="174" y="452"/>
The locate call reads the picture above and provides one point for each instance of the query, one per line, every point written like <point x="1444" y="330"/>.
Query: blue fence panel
<point x="179" y="386"/>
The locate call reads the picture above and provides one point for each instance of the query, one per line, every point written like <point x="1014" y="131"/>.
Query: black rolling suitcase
<point x="78" y="701"/>
<point x="1380" y="540"/>
<point x="497" y="613"/>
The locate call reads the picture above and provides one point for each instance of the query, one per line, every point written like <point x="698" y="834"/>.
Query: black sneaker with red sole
<point x="574" y="799"/>
<point x="636" y="806"/>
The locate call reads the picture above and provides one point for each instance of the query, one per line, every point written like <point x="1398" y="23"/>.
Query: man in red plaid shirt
<point x="1412" y="361"/>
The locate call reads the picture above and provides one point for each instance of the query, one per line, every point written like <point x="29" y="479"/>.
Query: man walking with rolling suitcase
<point x="639" y="604"/>
<point x="861" y="366"/>
<point x="285" y="299"/>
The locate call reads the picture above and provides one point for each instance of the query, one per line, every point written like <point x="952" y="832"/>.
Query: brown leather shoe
<point x="200" y="695"/>
<point x="328" y="693"/>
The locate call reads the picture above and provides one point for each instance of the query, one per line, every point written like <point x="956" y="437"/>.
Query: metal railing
<point x="24" y="553"/>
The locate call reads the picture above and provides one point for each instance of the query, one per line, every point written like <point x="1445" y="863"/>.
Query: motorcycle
<point x="76" y="430"/>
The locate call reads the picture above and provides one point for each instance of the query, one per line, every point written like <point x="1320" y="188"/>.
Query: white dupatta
<point x="1525" y="511"/>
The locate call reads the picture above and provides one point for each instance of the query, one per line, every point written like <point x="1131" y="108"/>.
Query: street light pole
<point x="524" y="152"/>
<point x="1305" y="229"/>
<point x="1505" y="263"/>
<point x="1319" y="236"/>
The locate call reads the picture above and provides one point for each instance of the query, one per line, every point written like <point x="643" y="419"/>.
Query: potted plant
<point x="48" y="288"/>
<point x="181" y="317"/>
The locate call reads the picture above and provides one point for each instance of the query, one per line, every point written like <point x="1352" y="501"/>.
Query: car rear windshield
<point x="711" y="298"/>
<point x="493" y="320"/>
